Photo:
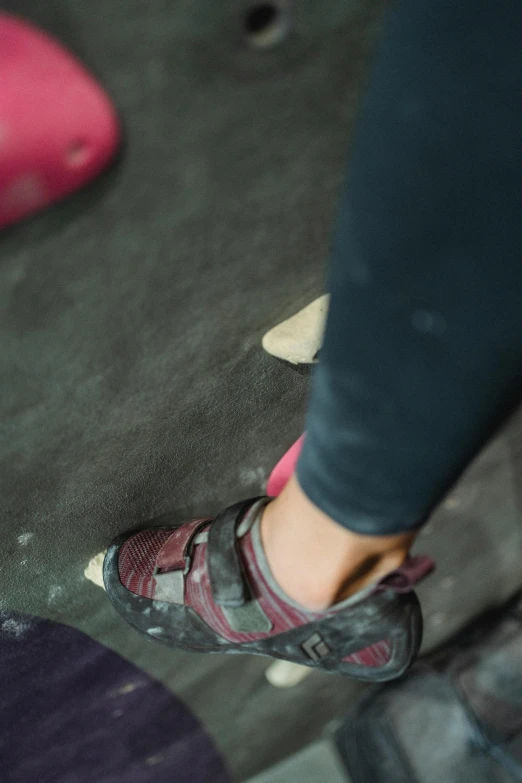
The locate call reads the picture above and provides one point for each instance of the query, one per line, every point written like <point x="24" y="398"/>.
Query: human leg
<point x="422" y="356"/>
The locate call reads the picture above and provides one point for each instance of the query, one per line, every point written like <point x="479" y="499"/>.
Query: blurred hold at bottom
<point x="457" y="719"/>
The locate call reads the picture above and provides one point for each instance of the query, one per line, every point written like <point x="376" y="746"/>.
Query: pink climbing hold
<point x="284" y="469"/>
<point x="58" y="128"/>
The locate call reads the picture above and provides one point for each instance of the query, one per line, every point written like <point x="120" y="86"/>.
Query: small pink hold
<point x="284" y="469"/>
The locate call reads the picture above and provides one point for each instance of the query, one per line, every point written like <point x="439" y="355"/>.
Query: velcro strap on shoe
<point x="411" y="572"/>
<point x="174" y="553"/>
<point x="227" y="579"/>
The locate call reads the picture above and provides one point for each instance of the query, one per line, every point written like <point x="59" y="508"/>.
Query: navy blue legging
<point x="422" y="357"/>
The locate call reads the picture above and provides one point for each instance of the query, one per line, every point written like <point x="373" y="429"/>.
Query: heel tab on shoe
<point x="411" y="572"/>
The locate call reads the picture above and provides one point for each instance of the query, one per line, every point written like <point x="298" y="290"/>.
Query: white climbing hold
<point x="285" y="674"/>
<point x="94" y="570"/>
<point x="298" y="339"/>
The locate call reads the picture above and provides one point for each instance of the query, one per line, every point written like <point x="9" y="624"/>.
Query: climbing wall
<point x="134" y="382"/>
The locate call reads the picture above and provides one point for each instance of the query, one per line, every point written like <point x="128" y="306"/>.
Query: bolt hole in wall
<point x="267" y="24"/>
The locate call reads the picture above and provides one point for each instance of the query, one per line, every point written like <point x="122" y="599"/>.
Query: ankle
<point x="316" y="561"/>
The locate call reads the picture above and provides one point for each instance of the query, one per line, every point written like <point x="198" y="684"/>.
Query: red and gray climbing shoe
<point x="206" y="586"/>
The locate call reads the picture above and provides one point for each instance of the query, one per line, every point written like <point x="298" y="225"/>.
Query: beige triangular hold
<point x="285" y="674"/>
<point x="299" y="338"/>
<point x="94" y="570"/>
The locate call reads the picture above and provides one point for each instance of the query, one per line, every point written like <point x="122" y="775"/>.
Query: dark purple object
<point x="72" y="711"/>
